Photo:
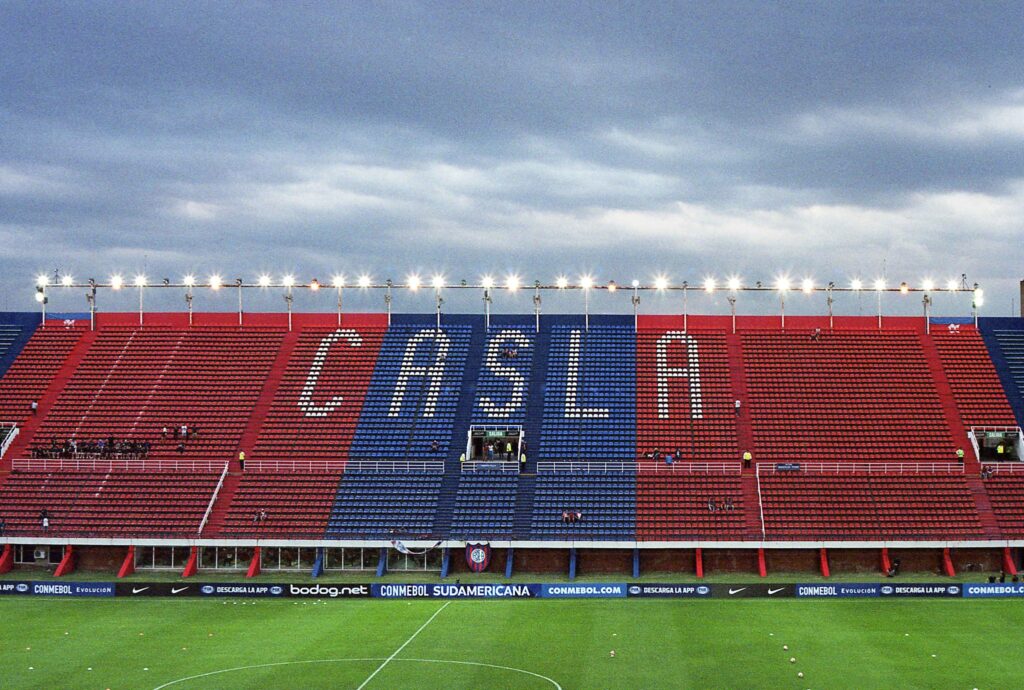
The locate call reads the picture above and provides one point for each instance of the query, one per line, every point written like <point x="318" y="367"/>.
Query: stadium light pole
<point x="289" y="282"/>
<point x="189" y="283"/>
<point x="536" y="305"/>
<point x="635" y="299"/>
<point x="90" y="298"/>
<point x="879" y="288"/>
<point x="41" y="296"/>
<point x="977" y="302"/>
<point x="686" y="307"/>
<point x="339" y="283"/>
<point x="488" y="283"/>
<point x="782" y="284"/>
<point x="586" y="282"/>
<point x="140" y="282"/>
<point x="387" y="298"/>
<point x="438" y="284"/>
<point x="828" y="302"/>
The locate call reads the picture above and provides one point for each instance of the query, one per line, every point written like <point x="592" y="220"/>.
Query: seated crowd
<point x="108" y="448"/>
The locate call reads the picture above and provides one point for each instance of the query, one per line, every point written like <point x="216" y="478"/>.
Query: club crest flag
<point x="478" y="557"/>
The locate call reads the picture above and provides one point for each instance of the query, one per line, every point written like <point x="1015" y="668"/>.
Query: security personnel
<point x="960" y="455"/>
<point x="748" y="458"/>
<point x="508" y="450"/>
<point x="241" y="460"/>
<point x="1000" y="449"/>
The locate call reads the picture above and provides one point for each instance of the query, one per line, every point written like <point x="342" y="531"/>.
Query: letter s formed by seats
<point x="494" y="409"/>
<point x="316" y="368"/>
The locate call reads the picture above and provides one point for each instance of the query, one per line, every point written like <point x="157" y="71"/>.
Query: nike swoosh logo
<point x="775" y="591"/>
<point x="175" y="591"/>
<point x="136" y="590"/>
<point x="736" y="591"/>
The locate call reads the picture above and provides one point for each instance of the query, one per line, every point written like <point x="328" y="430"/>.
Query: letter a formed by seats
<point x="515" y="401"/>
<point x="572" y="385"/>
<point x="691" y="372"/>
<point x="306" y="395"/>
<point x="434" y="372"/>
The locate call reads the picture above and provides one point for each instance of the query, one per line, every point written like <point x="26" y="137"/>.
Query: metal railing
<point x="390" y="466"/>
<point x="585" y="467"/>
<point x="485" y="466"/>
<point x="1004" y="467"/>
<point x="111" y="465"/>
<point x="213" y="499"/>
<point x="863" y="467"/>
<point x="308" y="466"/>
<point x="9" y="437"/>
<point x="690" y="468"/>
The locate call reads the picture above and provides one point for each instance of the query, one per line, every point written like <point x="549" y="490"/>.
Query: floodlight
<point x="783" y="283"/>
<point x="215" y="282"/>
<point x="636" y="283"/>
<point x="413" y="282"/>
<point x="586" y="282"/>
<point x="338" y="281"/>
<point x="661" y="282"/>
<point x="314" y="285"/>
<point x="709" y="285"/>
<point x="979" y="297"/>
<point x="288" y="281"/>
<point x="904" y="288"/>
<point x="857" y="284"/>
<point x="734" y="283"/>
<point x="116" y="282"/>
<point x="40" y="296"/>
<point x="42" y="280"/>
<point x="364" y="281"/>
<point x="880" y="284"/>
<point x="512" y="283"/>
<point x="67" y="281"/>
<point x="140" y="281"/>
<point x="928" y="285"/>
<point x="264" y="280"/>
<point x="952" y="285"/>
<point x="612" y="287"/>
<point x="487" y="282"/>
<point x="437" y="281"/>
<point x="562" y="282"/>
<point x="807" y="286"/>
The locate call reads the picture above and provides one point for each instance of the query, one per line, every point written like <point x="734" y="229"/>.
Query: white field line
<point x="404" y="645"/>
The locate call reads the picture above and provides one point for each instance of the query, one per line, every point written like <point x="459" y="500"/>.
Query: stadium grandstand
<point x="380" y="441"/>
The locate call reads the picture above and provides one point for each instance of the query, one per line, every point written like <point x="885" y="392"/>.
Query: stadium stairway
<point x="263" y="403"/>
<point x="460" y="433"/>
<point x="989" y="523"/>
<point x="738" y="377"/>
<point x="752" y="506"/>
<point x="522" y="522"/>
<point x="215" y="523"/>
<point x="46" y="401"/>
<point x="948" y="401"/>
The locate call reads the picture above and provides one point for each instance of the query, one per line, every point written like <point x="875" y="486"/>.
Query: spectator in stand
<point x="163" y="432"/>
<point x="816" y="335"/>
<point x="728" y="503"/>
<point x="176" y="432"/>
<point x="435" y="446"/>
<point x="669" y="458"/>
<point x="184" y="431"/>
<point x="3" y="526"/>
<point x="578" y="516"/>
<point x="34" y="406"/>
<point x="738" y="404"/>
<point x="565" y="516"/>
<point x="44" y="519"/>
<point x="711" y="505"/>
<point x="181" y="449"/>
<point x="263" y="516"/>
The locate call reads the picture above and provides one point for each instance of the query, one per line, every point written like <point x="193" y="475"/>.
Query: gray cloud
<point x="531" y="138"/>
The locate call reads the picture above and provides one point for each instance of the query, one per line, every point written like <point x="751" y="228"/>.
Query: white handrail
<point x="690" y="467"/>
<point x="478" y="465"/>
<point x="310" y="466"/>
<point x="112" y="465"/>
<point x="760" y="505"/>
<point x="213" y="499"/>
<point x="865" y="467"/>
<point x="427" y="466"/>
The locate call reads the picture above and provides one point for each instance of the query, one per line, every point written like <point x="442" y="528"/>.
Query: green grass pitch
<point x="149" y="643"/>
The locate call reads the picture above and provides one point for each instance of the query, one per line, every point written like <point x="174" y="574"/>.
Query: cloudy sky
<point x="618" y="139"/>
